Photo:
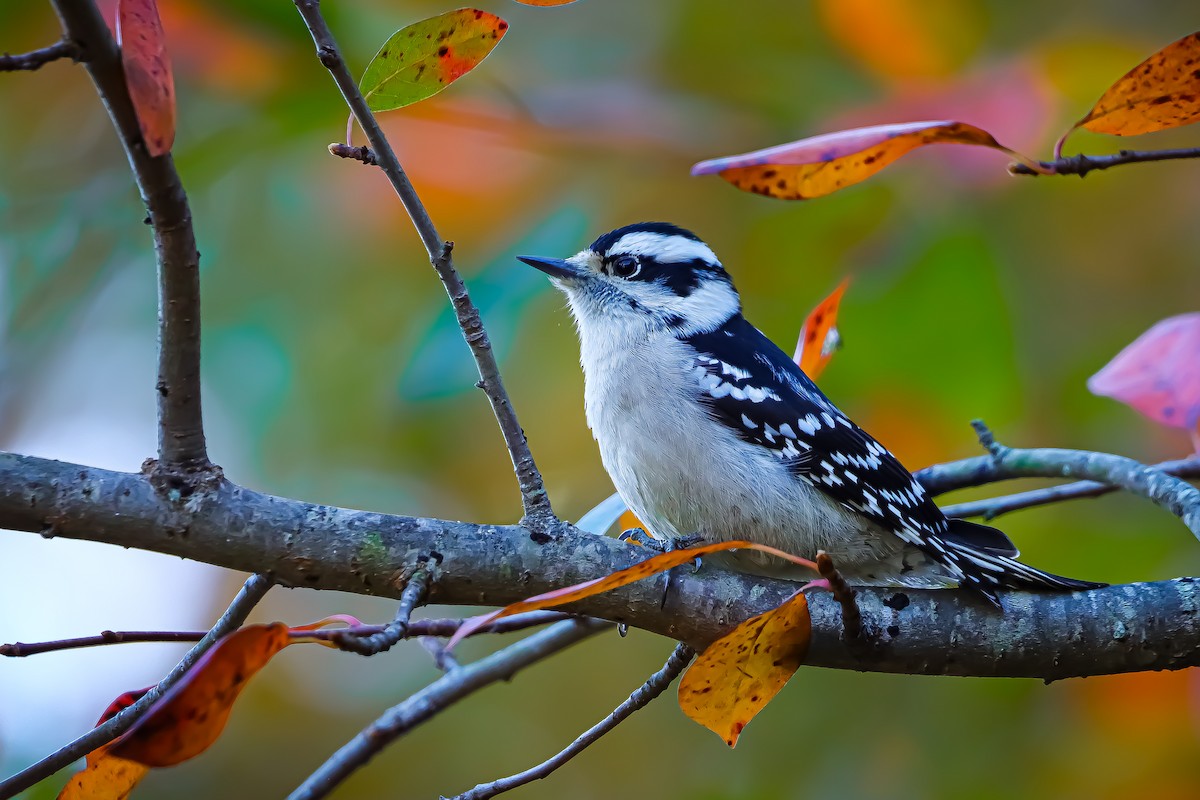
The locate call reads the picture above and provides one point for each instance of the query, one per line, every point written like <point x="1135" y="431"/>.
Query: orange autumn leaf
<point x="1161" y="92"/>
<point x="615" y="580"/>
<point x="193" y="712"/>
<point x="147" y="72"/>
<point x="629" y="520"/>
<point x="821" y="165"/>
<point x="819" y="338"/>
<point x="737" y="675"/>
<point x="106" y="777"/>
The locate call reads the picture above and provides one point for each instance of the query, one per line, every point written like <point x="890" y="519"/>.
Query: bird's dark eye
<point x="626" y="266"/>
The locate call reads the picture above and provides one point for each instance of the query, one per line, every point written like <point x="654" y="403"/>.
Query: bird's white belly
<point x="684" y="473"/>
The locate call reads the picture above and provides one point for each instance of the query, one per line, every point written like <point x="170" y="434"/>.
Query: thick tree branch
<point x="180" y="427"/>
<point x="36" y="59"/>
<point x="1118" y="629"/>
<point x="654" y="686"/>
<point x="245" y="601"/>
<point x="1081" y="164"/>
<point x="439" y="695"/>
<point x="536" y="503"/>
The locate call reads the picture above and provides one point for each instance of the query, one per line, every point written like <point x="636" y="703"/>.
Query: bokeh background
<point x="333" y="371"/>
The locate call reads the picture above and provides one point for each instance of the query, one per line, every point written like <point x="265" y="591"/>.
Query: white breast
<point x="682" y="472"/>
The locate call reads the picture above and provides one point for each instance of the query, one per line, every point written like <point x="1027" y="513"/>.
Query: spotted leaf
<point x="738" y="674"/>
<point x="824" y="164"/>
<point x="1161" y="92"/>
<point x="424" y="58"/>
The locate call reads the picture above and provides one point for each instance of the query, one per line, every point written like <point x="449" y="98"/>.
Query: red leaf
<point x="1159" y="373"/>
<point x="147" y="72"/>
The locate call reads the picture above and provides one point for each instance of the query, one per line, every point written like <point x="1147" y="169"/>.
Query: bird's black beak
<point x="554" y="267"/>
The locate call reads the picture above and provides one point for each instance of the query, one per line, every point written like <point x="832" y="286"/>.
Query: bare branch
<point x="654" y="686"/>
<point x="253" y="591"/>
<point x="995" y="506"/>
<point x="844" y="594"/>
<point x="939" y="632"/>
<point x="180" y="426"/>
<point x="36" y="59"/>
<point x="1082" y="164"/>
<point x="1172" y="493"/>
<point x="423" y="628"/>
<point x="535" y="501"/>
<point x="439" y="695"/>
<point x="394" y="631"/>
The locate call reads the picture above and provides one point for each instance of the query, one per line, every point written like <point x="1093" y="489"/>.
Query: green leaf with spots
<point x="420" y="60"/>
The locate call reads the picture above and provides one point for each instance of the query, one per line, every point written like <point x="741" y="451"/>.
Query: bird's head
<point x="647" y="275"/>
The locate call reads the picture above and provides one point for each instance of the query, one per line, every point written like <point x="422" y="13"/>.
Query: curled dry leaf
<point x="824" y="164"/>
<point x="1161" y="92"/>
<point x="147" y="72"/>
<point x="615" y="580"/>
<point x="819" y="338"/>
<point x="1159" y="374"/>
<point x="738" y="674"/>
<point x="193" y="712"/>
<point x="422" y="59"/>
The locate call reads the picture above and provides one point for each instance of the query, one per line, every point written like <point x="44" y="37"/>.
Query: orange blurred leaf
<point x="1159" y="374"/>
<point x="630" y="520"/>
<point x="193" y="712"/>
<point x="819" y="338"/>
<point x="422" y="59"/>
<point x="821" y="165"/>
<point x="1161" y="92"/>
<point x="147" y="72"/>
<point x="738" y="674"/>
<point x="106" y="777"/>
<point x="615" y="580"/>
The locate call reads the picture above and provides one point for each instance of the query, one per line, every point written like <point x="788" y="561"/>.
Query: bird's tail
<point x="988" y="562"/>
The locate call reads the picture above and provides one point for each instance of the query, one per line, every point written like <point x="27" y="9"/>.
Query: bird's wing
<point x="760" y="393"/>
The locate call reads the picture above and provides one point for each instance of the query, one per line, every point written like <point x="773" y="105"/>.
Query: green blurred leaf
<point x="422" y="59"/>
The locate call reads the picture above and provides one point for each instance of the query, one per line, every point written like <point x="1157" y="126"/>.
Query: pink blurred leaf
<point x="1158" y="374"/>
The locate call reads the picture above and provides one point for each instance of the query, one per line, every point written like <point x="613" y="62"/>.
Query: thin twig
<point x="1082" y="164"/>
<point x="36" y="59"/>
<point x="993" y="507"/>
<point x="180" y="426"/>
<point x="654" y="686"/>
<point x="420" y="627"/>
<point x="361" y="154"/>
<point x="851" y="615"/>
<point x="252" y="591"/>
<point x="1172" y="493"/>
<point x="395" y="630"/>
<point x="439" y="695"/>
<point x="536" y="503"/>
<point x="443" y="659"/>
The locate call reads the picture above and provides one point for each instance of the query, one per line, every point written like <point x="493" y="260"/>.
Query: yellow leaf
<point x="106" y="777"/>
<point x="738" y="674"/>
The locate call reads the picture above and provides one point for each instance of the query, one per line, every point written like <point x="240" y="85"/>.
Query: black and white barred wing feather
<point x="760" y="393"/>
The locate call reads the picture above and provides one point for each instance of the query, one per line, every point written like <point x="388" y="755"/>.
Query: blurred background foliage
<point x="334" y="373"/>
